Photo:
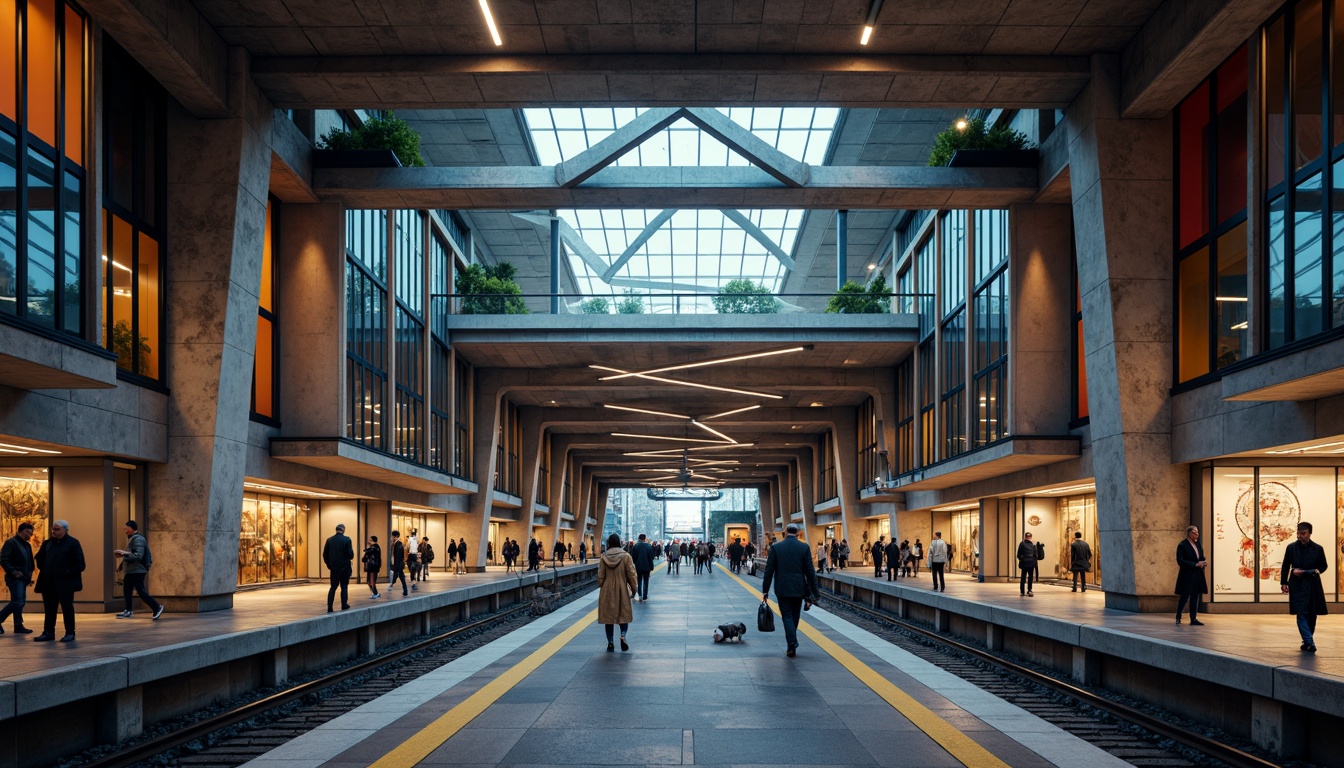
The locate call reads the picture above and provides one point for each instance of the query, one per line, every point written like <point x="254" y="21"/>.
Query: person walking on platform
<point x="916" y="555"/>
<point x="907" y="558"/>
<point x="821" y="556"/>
<point x="1300" y="578"/>
<point x="938" y="561"/>
<point x="136" y="560"/>
<point x="452" y="555"/>
<point x="396" y="563"/>
<point x="1026" y="565"/>
<point x="673" y="557"/>
<point x="413" y="557"/>
<point x="558" y="554"/>
<point x="1190" y="581"/>
<point x="426" y="558"/>
<point x="642" y="555"/>
<point x="616" y="584"/>
<point x="735" y="555"/>
<point x="338" y="553"/>
<point x="844" y="554"/>
<point x="1080" y="560"/>
<point x="461" y="554"/>
<point x="60" y="561"/>
<point x="533" y="555"/>
<point x="878" y="552"/>
<point x="749" y="552"/>
<point x="373" y="565"/>
<point x="789" y="569"/>
<point x="16" y="560"/>
<point x="583" y="553"/>
<point x="709" y="561"/>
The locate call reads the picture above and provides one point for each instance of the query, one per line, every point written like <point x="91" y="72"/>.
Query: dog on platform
<point x="732" y="632"/>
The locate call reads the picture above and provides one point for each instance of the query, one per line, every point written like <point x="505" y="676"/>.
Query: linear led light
<point x="490" y="22"/>
<point x="118" y="265"/>
<point x="661" y="437"/>
<point x="693" y="384"/>
<point x="643" y="410"/>
<point x="730" y="413"/>
<point x="1308" y="448"/>
<point x="1243" y="325"/>
<point x="703" y="363"/>
<point x="871" y="22"/>
<point x="25" y="448"/>
<point x="712" y="431"/>
<point x="678" y="451"/>
<point x="1066" y="489"/>
<point x="1229" y="298"/>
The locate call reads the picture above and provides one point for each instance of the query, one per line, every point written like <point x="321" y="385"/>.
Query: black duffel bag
<point x="765" y="618"/>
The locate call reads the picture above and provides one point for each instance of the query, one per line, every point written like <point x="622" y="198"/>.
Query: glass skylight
<point x="694" y="249"/>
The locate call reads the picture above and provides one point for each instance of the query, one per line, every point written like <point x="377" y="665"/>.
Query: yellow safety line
<point x="432" y="736"/>
<point x="958" y="744"/>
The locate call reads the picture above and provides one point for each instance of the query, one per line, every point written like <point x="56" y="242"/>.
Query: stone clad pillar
<point x="534" y="438"/>
<point x="847" y="481"/>
<point x="218" y="175"/>
<point x="1121" y="173"/>
<point x="487" y="406"/>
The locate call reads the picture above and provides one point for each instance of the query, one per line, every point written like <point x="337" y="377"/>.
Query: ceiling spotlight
<point x="868" y="25"/>
<point x="961" y="124"/>
<point x="817" y="404"/>
<point x="871" y="267"/>
<point x="490" y="22"/>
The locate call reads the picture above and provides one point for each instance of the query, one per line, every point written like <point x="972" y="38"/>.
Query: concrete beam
<point x="670" y="80"/>
<point x="755" y="233"/>
<point x="575" y="170"/>
<point x="792" y="173"/>
<point x="1179" y="46"/>
<point x="176" y="44"/>
<point x="531" y="188"/>
<point x="654" y="225"/>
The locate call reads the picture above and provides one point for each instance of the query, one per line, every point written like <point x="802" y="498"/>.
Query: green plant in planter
<point x="490" y="290"/>
<point x="631" y="303"/>
<point x="854" y="299"/>
<point x="124" y="344"/>
<point x="744" y="297"/>
<point x="595" y="306"/>
<point x="975" y="135"/>
<point x="381" y="132"/>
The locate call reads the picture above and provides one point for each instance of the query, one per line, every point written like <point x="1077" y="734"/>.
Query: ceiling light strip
<point x="730" y="413"/>
<point x="704" y="363"/>
<point x="661" y="437"/>
<point x="26" y="448"/>
<point x="644" y="410"/>
<point x="490" y="22"/>
<point x="713" y="431"/>
<point x="868" y="25"/>
<point x="693" y="384"/>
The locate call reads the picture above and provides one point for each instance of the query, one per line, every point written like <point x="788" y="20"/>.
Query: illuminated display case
<point x="272" y="546"/>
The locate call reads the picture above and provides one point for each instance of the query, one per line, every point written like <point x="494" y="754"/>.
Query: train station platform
<point x="551" y="694"/>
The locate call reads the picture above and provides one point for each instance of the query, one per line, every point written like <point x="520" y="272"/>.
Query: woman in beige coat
<point x="616" y="585"/>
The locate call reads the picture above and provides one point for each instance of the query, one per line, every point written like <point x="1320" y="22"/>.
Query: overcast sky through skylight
<point x="694" y="248"/>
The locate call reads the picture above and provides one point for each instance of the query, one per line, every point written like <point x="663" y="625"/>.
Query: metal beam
<point x="533" y="188"/>
<point x="575" y="170"/>
<point x="747" y="144"/>
<point x="569" y="237"/>
<point x="670" y="80"/>
<point x="627" y="282"/>
<point x="756" y="234"/>
<point x="653" y="226"/>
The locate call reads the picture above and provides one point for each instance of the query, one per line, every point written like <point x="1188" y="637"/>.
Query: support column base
<point x="121" y="715"/>
<point x="1086" y="667"/>
<point x="275" y="668"/>
<point x="1277" y="727"/>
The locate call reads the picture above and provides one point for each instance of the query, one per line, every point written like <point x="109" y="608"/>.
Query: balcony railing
<point x="675" y="303"/>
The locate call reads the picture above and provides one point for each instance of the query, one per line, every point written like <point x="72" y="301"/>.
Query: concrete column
<point x="486" y="411"/>
<point x="841" y="247"/>
<point x="806" y="469"/>
<point x="534" y="439"/>
<point x="769" y="509"/>
<point x="600" y="513"/>
<point x="426" y="624"/>
<point x="1040" y="325"/>
<point x="994" y="637"/>
<point x="846" y="458"/>
<point x="275" y="668"/>
<point x="121" y="715"/>
<point x="941" y="620"/>
<point x="366" y="641"/>
<point x="1086" y="666"/>
<point x="312" y="335"/>
<point x="218" y="175"/>
<point x="1276" y="727"/>
<point x="1121" y="174"/>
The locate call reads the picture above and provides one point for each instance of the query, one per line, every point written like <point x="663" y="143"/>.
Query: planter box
<point x="355" y="158"/>
<point x="995" y="158"/>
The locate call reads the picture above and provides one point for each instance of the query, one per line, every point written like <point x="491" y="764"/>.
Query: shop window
<point x="963" y="540"/>
<point x="25" y="496"/>
<point x="272" y="545"/>
<point x="42" y="92"/>
<point x="266" y="355"/>
<point x="133" y="212"/>
<point x="1078" y="514"/>
<point x="1211" y="213"/>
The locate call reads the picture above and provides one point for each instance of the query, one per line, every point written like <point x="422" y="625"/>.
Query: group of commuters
<point x="416" y="554"/>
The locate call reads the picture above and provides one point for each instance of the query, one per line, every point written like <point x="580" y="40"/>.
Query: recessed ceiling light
<point x="872" y="266"/>
<point x="818" y="404"/>
<point x="870" y="23"/>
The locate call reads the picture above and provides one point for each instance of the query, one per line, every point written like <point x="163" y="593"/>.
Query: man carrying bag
<point x="789" y="567"/>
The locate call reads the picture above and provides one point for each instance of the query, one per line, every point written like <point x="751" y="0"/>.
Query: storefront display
<point x="1256" y="511"/>
<point x="964" y="541"/>
<point x="1078" y="514"/>
<point x="25" y="497"/>
<point x="273" y="544"/>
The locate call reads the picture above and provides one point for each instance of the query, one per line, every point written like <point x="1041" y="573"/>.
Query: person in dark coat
<point x="893" y="556"/>
<point x="583" y="552"/>
<point x="642" y="554"/>
<point x="452" y="555"/>
<point x="1190" y="581"/>
<point x="16" y="560"/>
<point x="789" y="568"/>
<point x="878" y="552"/>
<point x="533" y="555"/>
<point x="136" y="560"/>
<point x="60" y="562"/>
<point x="338" y="553"/>
<point x="396" y="563"/>
<point x="735" y="552"/>
<point x="1026" y="564"/>
<point x="1080" y="560"/>
<point x="461" y="554"/>
<point x="1300" y="578"/>
<point x="373" y="565"/>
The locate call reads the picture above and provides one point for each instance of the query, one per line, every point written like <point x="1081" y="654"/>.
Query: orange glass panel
<point x="263" y="371"/>
<point x="267" y="299"/>
<point x="1192" y="316"/>
<point x="106" y="266"/>
<point x="147" y="305"/>
<point x="74" y="86"/>
<point x="120" y="246"/>
<point x="9" y="58"/>
<point x="42" y="69"/>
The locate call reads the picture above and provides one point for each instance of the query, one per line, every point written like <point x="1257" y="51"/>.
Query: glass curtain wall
<point x="827" y="486"/>
<point x="989" y="382"/>
<point x="905" y="416"/>
<point x="43" y="76"/>
<point x="871" y="469"/>
<point x="265" y="363"/>
<point x="952" y="339"/>
<point x="440" y="378"/>
<point x="366" y="358"/>
<point x="272" y="545"/>
<point x="409" y="277"/>
<point x="462" y="396"/>
<point x="1211" y="263"/>
<point x="508" y="447"/>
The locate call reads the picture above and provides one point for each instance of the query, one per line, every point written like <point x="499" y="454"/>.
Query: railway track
<point x="1139" y="737"/>
<point x="239" y="733"/>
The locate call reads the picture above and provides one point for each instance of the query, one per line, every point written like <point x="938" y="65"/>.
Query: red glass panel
<point x="42" y="69"/>
<point x="1274" y="116"/>
<point x="1192" y="165"/>
<point x="74" y="86"/>
<point x="1230" y="103"/>
<point x="1308" y="69"/>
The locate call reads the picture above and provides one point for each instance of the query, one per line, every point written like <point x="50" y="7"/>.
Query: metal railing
<point x="674" y="303"/>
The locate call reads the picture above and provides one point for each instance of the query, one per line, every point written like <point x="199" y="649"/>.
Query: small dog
<point x="730" y="633"/>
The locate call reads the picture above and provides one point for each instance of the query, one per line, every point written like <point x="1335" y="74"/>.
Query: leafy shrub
<point x="381" y="132"/>
<point x="490" y="290"/>
<point x="631" y="303"/>
<point x="744" y="297"/>
<point x="595" y="306"/>
<point x="975" y="136"/>
<point x="854" y="299"/>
